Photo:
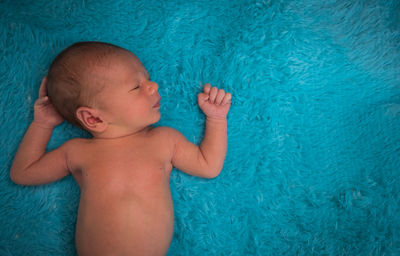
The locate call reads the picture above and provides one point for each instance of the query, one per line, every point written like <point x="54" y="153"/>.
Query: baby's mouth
<point x="157" y="105"/>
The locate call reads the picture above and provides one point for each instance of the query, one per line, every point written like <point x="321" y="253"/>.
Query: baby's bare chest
<point x="130" y="168"/>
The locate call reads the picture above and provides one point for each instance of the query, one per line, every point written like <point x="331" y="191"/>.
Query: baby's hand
<point x="213" y="102"/>
<point x="45" y="114"/>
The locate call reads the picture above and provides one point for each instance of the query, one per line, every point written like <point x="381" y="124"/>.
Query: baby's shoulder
<point x="76" y="144"/>
<point x="165" y="131"/>
<point x="169" y="135"/>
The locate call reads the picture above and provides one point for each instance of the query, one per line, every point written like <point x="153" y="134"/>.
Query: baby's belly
<point x="134" y="223"/>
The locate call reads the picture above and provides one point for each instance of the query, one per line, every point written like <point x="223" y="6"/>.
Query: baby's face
<point x="129" y="100"/>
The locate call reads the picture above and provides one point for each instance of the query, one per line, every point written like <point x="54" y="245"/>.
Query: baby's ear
<point x="91" y="119"/>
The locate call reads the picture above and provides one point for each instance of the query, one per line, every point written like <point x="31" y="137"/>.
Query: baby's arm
<point x="31" y="165"/>
<point x="206" y="160"/>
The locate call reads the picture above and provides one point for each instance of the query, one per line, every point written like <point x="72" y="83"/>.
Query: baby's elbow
<point x="212" y="173"/>
<point x="212" y="176"/>
<point x="16" y="178"/>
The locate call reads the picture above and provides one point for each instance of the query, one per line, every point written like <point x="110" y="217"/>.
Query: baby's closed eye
<point x="135" y="88"/>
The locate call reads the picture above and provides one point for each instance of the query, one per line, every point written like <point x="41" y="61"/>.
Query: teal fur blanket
<point x="313" y="161"/>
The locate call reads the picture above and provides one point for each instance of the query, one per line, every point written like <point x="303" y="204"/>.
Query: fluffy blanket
<point x="313" y="163"/>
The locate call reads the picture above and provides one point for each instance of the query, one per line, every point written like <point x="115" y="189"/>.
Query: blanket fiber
<point x="313" y="163"/>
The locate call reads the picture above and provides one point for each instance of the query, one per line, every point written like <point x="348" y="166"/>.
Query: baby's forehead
<point x="118" y="67"/>
<point x="121" y="60"/>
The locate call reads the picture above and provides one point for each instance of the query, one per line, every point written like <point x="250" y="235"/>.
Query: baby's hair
<point x="69" y="83"/>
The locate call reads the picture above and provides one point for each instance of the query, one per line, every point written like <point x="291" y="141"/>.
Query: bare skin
<point x="123" y="171"/>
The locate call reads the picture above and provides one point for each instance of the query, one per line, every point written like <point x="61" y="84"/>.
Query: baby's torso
<point x="126" y="206"/>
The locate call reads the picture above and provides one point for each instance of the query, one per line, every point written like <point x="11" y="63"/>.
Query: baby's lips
<point x="157" y="104"/>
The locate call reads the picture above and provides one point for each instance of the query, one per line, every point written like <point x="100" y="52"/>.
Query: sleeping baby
<point x="123" y="170"/>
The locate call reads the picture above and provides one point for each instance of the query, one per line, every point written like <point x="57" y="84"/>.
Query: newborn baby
<point x="123" y="170"/>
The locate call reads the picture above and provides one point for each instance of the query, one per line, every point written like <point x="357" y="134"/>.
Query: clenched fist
<point x="214" y="102"/>
<point x="44" y="112"/>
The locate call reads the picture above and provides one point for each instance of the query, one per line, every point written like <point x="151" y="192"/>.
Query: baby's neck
<point x="120" y="135"/>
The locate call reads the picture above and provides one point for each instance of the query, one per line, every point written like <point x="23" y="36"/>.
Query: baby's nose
<point x="152" y="87"/>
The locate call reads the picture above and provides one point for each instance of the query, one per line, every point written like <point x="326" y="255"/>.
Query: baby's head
<point x="73" y="79"/>
<point x="80" y="75"/>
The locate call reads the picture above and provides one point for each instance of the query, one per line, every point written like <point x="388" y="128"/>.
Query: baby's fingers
<point x="207" y="88"/>
<point x="42" y="101"/>
<point x="202" y="97"/>
<point x="220" y="96"/>
<point x="227" y="99"/>
<point x="213" y="94"/>
<point x="42" y="89"/>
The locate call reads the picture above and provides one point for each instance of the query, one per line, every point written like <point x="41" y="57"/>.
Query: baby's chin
<point x="159" y="117"/>
<point x="156" y="118"/>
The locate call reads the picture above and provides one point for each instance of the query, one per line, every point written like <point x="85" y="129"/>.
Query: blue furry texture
<point x="313" y="165"/>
